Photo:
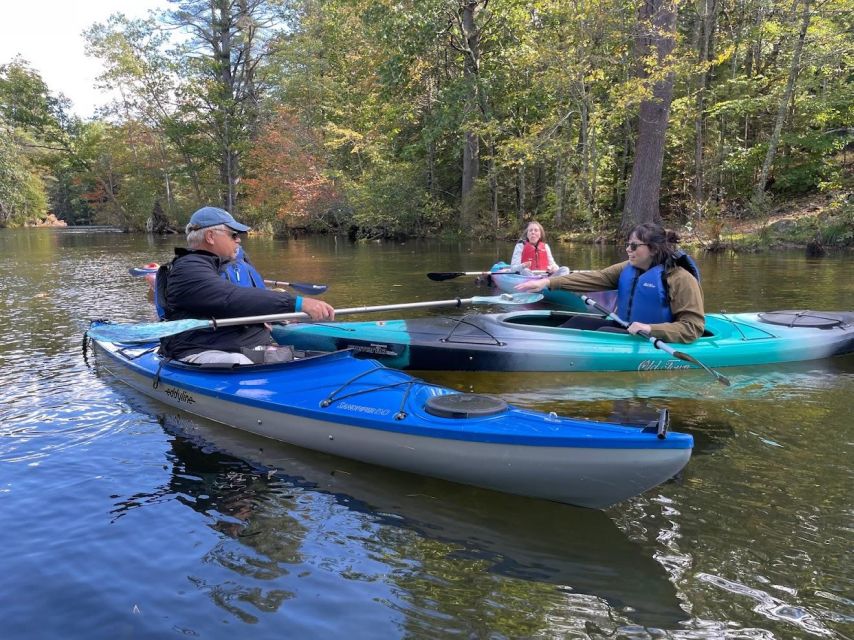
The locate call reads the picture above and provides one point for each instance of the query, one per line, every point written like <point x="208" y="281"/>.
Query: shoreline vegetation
<point x="817" y="224"/>
<point x="451" y="119"/>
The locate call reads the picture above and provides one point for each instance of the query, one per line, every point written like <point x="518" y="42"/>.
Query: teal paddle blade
<point x="132" y="333"/>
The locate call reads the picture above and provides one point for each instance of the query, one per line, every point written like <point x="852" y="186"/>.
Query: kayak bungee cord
<point x="408" y="382"/>
<point x="464" y="321"/>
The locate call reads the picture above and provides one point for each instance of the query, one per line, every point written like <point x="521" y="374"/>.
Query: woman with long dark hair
<point x="658" y="287"/>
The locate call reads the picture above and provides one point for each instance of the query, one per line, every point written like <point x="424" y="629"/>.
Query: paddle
<point x="658" y="344"/>
<point x="149" y="331"/>
<point x="147" y="270"/>
<point x="303" y="287"/>
<point x="441" y="276"/>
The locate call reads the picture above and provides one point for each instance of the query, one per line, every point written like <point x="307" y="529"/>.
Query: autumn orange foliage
<point x="286" y="172"/>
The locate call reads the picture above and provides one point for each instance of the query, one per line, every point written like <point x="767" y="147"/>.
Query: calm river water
<point x="124" y="519"/>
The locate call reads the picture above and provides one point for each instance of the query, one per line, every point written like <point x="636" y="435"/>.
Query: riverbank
<point x="815" y="223"/>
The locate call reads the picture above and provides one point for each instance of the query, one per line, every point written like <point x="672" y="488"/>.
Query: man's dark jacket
<point x="191" y="287"/>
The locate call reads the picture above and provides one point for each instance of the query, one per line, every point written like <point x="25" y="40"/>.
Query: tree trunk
<point x="222" y="23"/>
<point x="493" y="184"/>
<point x="645" y="185"/>
<point x="584" y="142"/>
<point x="158" y="223"/>
<point x="431" y="169"/>
<point x="471" y="69"/>
<point x="560" y="188"/>
<point x="774" y="141"/>
<point x="703" y="43"/>
<point x="471" y="162"/>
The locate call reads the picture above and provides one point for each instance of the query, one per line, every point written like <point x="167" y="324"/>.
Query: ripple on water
<point x="52" y="405"/>
<point x="771" y="607"/>
<point x="60" y="424"/>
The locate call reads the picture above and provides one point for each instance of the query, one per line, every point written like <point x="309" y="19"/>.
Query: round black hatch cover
<point x="465" y="405"/>
<point x="815" y="319"/>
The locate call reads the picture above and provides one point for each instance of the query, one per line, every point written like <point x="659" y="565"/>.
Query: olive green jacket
<point x="686" y="299"/>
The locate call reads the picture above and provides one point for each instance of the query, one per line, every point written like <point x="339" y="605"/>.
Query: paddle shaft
<point x="657" y="343"/>
<point x="440" y="276"/>
<point x="227" y="322"/>
<point x="146" y="332"/>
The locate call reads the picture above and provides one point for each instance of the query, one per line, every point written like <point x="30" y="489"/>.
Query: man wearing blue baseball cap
<point x="192" y="286"/>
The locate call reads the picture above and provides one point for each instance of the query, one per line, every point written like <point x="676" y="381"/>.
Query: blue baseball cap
<point x="212" y="216"/>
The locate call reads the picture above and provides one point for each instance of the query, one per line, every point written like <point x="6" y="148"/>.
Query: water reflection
<point x="104" y="512"/>
<point x="759" y="382"/>
<point x="269" y="501"/>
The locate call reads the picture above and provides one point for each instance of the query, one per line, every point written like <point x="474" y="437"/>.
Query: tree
<point x="137" y="60"/>
<point x="783" y="107"/>
<point x="22" y="194"/>
<point x="466" y="38"/>
<point x="286" y="176"/>
<point x="40" y="136"/>
<point x="654" y="43"/>
<point x="225" y="47"/>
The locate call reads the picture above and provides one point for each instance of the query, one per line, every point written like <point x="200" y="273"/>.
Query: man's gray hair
<point x="196" y="235"/>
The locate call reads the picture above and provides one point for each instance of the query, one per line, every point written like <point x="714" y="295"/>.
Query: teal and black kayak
<point x="536" y="341"/>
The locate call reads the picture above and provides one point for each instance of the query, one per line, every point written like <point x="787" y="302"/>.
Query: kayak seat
<point x="298" y="355"/>
<point x="607" y="329"/>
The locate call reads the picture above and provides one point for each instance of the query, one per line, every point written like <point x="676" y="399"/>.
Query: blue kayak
<point x="337" y="404"/>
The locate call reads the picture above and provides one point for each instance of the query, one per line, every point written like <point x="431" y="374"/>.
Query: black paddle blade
<point x="719" y="377"/>
<point x="442" y="276"/>
<point x="309" y="288"/>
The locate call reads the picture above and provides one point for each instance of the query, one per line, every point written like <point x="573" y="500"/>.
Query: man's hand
<point x="318" y="309"/>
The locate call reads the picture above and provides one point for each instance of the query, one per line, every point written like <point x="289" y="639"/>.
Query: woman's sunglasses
<point x="634" y="245"/>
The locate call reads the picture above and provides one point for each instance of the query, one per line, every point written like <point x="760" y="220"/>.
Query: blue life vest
<point x="687" y="262"/>
<point x="642" y="296"/>
<point x="239" y="271"/>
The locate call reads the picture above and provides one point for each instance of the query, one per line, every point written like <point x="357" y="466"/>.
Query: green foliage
<point x="390" y="204"/>
<point x="22" y="194"/>
<point x="387" y="92"/>
<point x="836" y="224"/>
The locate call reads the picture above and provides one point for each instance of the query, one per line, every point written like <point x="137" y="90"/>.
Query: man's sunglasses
<point x="234" y="234"/>
<point x="634" y="245"/>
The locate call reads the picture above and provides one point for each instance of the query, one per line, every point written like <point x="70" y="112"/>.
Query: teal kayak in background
<point x="506" y="281"/>
<point x="535" y="341"/>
